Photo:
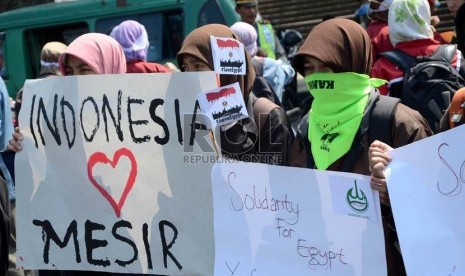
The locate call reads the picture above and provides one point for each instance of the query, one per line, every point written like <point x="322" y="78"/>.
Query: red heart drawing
<point x="100" y="157"/>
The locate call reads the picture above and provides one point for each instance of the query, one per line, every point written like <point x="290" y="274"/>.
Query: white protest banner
<point x="223" y="105"/>
<point x="114" y="176"/>
<point x="425" y="183"/>
<point x="272" y="220"/>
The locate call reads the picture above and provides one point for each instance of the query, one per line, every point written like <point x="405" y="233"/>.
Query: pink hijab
<point x="101" y="52"/>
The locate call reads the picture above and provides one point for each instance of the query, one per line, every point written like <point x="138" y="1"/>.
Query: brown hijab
<point x="341" y="44"/>
<point x="197" y="44"/>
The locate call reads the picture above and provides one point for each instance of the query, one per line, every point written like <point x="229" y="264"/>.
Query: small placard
<point x="228" y="56"/>
<point x="223" y="105"/>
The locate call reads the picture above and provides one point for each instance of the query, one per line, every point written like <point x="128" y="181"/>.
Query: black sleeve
<point x="9" y="159"/>
<point x="276" y="139"/>
<point x="5" y="216"/>
<point x="262" y="89"/>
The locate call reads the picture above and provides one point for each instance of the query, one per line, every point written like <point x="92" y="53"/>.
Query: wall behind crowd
<point x="302" y="15"/>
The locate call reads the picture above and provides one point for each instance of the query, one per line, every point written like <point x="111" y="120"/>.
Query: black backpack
<point x="429" y="82"/>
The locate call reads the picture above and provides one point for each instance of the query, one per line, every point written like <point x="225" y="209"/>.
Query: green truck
<point x="24" y="31"/>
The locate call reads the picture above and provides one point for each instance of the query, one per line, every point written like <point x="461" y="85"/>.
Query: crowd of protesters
<point x="331" y="136"/>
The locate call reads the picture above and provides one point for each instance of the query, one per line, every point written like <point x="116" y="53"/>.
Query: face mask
<point x="337" y="110"/>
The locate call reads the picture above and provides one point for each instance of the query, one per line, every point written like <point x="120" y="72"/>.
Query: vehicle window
<point x="161" y="29"/>
<point x="152" y="23"/>
<point x="175" y="33"/>
<point x="211" y="13"/>
<point x="36" y="38"/>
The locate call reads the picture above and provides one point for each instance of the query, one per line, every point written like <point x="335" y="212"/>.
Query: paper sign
<point x="426" y="182"/>
<point x="223" y="105"/>
<point x="273" y="220"/>
<point x="228" y="56"/>
<point x="114" y="175"/>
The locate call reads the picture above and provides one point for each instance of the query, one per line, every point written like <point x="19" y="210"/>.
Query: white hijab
<point x="409" y="20"/>
<point x="248" y="35"/>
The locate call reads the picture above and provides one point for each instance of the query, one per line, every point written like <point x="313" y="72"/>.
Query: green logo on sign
<point x="356" y="199"/>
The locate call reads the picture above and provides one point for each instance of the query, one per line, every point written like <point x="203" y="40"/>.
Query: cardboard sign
<point x="273" y="220"/>
<point x="426" y="182"/>
<point x="114" y="175"/>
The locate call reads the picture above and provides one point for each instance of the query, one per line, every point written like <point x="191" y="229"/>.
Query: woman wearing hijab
<point x="49" y="67"/>
<point x="266" y="141"/>
<point x="93" y="53"/>
<point x="411" y="33"/>
<point x="132" y="36"/>
<point x="276" y="72"/>
<point x="335" y="60"/>
<point x="49" y="59"/>
<point x="88" y="54"/>
<point x="378" y="29"/>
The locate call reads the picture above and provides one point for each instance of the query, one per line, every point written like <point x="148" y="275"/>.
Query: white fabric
<point x="409" y="20"/>
<point x="49" y="64"/>
<point x="248" y="36"/>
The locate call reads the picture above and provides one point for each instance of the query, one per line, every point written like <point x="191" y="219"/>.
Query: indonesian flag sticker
<point x="228" y="56"/>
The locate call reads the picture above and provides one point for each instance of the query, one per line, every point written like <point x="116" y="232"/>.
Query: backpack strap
<point x="445" y="52"/>
<point x="400" y="59"/>
<point x="405" y="61"/>
<point x="262" y="106"/>
<point x="376" y="123"/>
<point x="302" y="129"/>
<point x="381" y="119"/>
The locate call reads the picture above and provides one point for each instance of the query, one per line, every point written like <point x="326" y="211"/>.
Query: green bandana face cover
<point x="337" y="110"/>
